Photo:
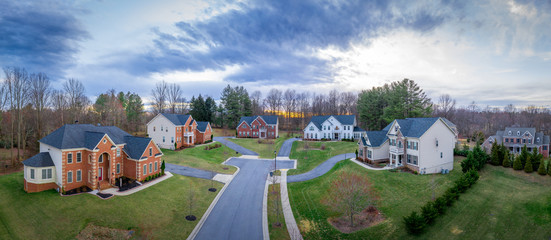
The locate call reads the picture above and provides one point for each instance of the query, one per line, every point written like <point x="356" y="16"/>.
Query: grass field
<point x="157" y="212"/>
<point x="313" y="156"/>
<point x="198" y="157"/>
<point x="275" y="231"/>
<point x="504" y="204"/>
<point x="264" y="147"/>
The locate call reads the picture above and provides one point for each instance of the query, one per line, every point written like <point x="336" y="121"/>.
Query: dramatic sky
<point x="494" y="52"/>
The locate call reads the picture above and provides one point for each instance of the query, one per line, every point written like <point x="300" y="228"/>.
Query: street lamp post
<point x="275" y="161"/>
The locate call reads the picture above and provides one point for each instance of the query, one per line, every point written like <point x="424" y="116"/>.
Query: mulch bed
<point x="128" y="186"/>
<point x="77" y="191"/>
<point x="212" y="189"/>
<point x="191" y="218"/>
<point x="367" y="218"/>
<point x="105" y="195"/>
<point x="97" y="232"/>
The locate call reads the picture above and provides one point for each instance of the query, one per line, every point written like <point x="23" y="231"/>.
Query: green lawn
<point x="198" y="157"/>
<point x="275" y="231"/>
<point x="312" y="156"/>
<point x="264" y="147"/>
<point x="502" y="205"/>
<point x="157" y="212"/>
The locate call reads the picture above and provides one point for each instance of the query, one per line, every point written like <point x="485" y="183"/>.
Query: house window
<point x="104" y="141"/>
<point x="49" y="171"/>
<point x="441" y="155"/>
<point x="509" y="133"/>
<point x="163" y="138"/>
<point x="172" y="139"/>
<point x="145" y="169"/>
<point x="90" y="159"/>
<point x="518" y="140"/>
<point x="324" y="135"/>
<point x="161" y="128"/>
<point x="118" y="152"/>
<point x="79" y="175"/>
<point x="408" y="145"/>
<point x="166" y="129"/>
<point x="523" y="140"/>
<point x="150" y="151"/>
<point x="316" y="135"/>
<point x="69" y="158"/>
<point x="44" y="174"/>
<point x="150" y="167"/>
<point x="32" y="173"/>
<point x="518" y="133"/>
<point x="506" y="140"/>
<point x="311" y="128"/>
<point x="544" y="147"/>
<point x="409" y="159"/>
<point x="538" y="140"/>
<point x="437" y="142"/>
<point x="529" y="141"/>
<point x="70" y="177"/>
<point x="89" y="176"/>
<point x="369" y="153"/>
<point x="100" y="160"/>
<point x="118" y="168"/>
<point x="414" y="159"/>
<point x="153" y="128"/>
<point x="79" y="157"/>
<point x="156" y="166"/>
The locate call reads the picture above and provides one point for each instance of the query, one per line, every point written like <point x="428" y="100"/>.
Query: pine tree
<point x="528" y="168"/>
<point x="523" y="155"/>
<point x="536" y="159"/>
<point x="517" y="164"/>
<point x="494" y="154"/>
<point x="541" y="168"/>
<point x="549" y="167"/>
<point x="506" y="160"/>
<point x="468" y="163"/>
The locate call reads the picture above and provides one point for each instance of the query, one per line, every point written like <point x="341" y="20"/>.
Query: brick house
<point x="170" y="129"/>
<point x="514" y="138"/>
<point x="258" y="127"/>
<point x="203" y="132"/>
<point x="424" y="145"/>
<point x="78" y="155"/>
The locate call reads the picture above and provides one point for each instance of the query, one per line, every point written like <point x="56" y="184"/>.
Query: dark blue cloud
<point x="39" y="36"/>
<point x="275" y="40"/>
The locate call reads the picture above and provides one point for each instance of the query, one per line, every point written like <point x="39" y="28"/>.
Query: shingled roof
<point x="135" y="146"/>
<point x="42" y="159"/>
<point x="271" y="120"/>
<point x="202" y="126"/>
<point x="177" y="119"/>
<point x="343" y="119"/>
<point x="82" y="136"/>
<point x="376" y="138"/>
<point x="416" y="127"/>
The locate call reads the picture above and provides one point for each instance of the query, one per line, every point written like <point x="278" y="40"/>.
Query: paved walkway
<point x="115" y="191"/>
<point x="238" y="212"/>
<point x="189" y="171"/>
<point x="290" y="221"/>
<point x="369" y="167"/>
<point x="234" y="146"/>
<point x="285" y="149"/>
<point x="320" y="169"/>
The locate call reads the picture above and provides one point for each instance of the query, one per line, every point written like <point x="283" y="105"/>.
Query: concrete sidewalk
<point x="292" y="226"/>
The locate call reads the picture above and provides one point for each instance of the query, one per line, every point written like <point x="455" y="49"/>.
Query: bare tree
<point x="17" y="82"/>
<point x="159" y="97"/>
<point x="333" y="102"/>
<point x="76" y="99"/>
<point x="290" y="100"/>
<point x="348" y="102"/>
<point x="256" y="103"/>
<point x="446" y="106"/>
<point x="351" y="193"/>
<point x="59" y="103"/>
<point x="174" y="95"/>
<point x="274" y="101"/>
<point x="182" y="107"/>
<point x="304" y="106"/>
<point x="40" y="93"/>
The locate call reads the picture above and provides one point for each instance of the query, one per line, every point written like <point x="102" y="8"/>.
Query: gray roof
<point x="272" y="120"/>
<point x="415" y="127"/>
<point x="376" y="138"/>
<point x="42" y="159"/>
<point x="202" y="126"/>
<point x="82" y="136"/>
<point x="515" y="130"/>
<point x="177" y="119"/>
<point x="135" y="146"/>
<point x="343" y="119"/>
<point x="544" y="139"/>
<point x="358" y="129"/>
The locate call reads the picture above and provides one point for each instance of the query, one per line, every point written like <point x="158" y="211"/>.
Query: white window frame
<point x="69" y="179"/>
<point x="118" y="168"/>
<point x="118" y="152"/>
<point x="145" y="169"/>
<point x="79" y="175"/>
<point x="79" y="157"/>
<point x="32" y="173"/>
<point x="69" y="157"/>
<point x="156" y="166"/>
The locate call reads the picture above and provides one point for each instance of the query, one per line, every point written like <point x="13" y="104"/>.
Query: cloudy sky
<point x="494" y="52"/>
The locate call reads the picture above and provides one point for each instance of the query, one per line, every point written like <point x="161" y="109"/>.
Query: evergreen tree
<point x="469" y="163"/>
<point x="481" y="158"/>
<point x="523" y="155"/>
<point x="541" y="168"/>
<point x="517" y="163"/>
<point x="501" y="153"/>
<point x="370" y="107"/>
<point x="536" y="159"/>
<point x="406" y="99"/>
<point x="549" y="167"/>
<point x="415" y="223"/>
<point x="506" y="159"/>
<point x="528" y="168"/>
<point x="494" y="154"/>
<point x="210" y="109"/>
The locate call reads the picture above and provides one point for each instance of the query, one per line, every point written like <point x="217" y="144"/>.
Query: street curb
<point x="292" y="227"/>
<point x="265" y="229"/>
<point x="199" y="225"/>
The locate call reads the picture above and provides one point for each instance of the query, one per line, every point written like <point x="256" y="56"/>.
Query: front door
<point x="262" y="134"/>
<point x="100" y="174"/>
<point x="336" y="136"/>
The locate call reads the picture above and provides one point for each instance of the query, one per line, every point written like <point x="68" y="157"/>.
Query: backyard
<point x="199" y="157"/>
<point x="502" y="198"/>
<point x="156" y="212"/>
<point x="311" y="154"/>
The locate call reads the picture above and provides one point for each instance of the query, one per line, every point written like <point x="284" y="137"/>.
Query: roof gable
<point x="202" y="126"/>
<point x="177" y="119"/>
<point x="83" y="136"/>
<point x="42" y="159"/>
<point x="136" y="146"/>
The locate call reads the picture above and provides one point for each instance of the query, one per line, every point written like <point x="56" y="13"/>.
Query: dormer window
<point x="509" y="133"/>
<point x="395" y="128"/>
<point x="538" y="140"/>
<point x="311" y="128"/>
<point x="518" y="133"/>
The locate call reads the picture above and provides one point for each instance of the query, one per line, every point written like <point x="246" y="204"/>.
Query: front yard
<point x="199" y="157"/>
<point x="311" y="154"/>
<point x="264" y="147"/>
<point x="156" y="212"/>
<point x="504" y="204"/>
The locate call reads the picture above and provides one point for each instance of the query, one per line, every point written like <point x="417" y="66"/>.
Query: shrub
<point x="415" y="223"/>
<point x="429" y="212"/>
<point x="163" y="167"/>
<point x="440" y="205"/>
<point x="506" y="160"/>
<point x="541" y="168"/>
<point x="528" y="168"/>
<point x="549" y="167"/>
<point x="356" y="153"/>
<point x="517" y="163"/>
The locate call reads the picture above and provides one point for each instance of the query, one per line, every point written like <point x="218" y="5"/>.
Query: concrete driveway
<point x="235" y="147"/>
<point x="189" y="171"/>
<point x="285" y="149"/>
<point x="238" y="212"/>
<point x="320" y="169"/>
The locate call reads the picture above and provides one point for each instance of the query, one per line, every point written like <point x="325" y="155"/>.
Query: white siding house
<point x="334" y="127"/>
